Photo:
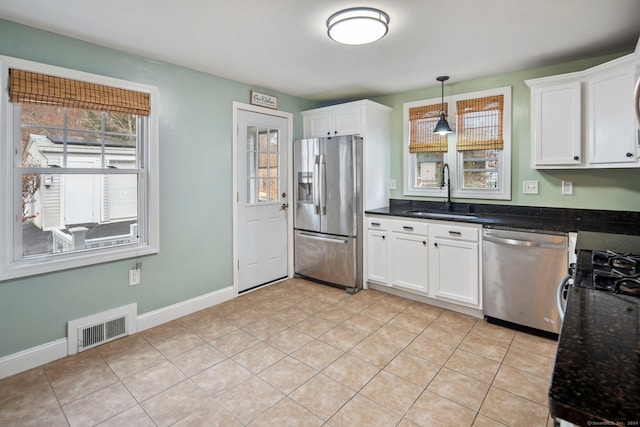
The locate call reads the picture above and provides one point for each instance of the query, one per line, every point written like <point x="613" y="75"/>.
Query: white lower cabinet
<point x="409" y="268"/>
<point x="454" y="273"/>
<point x="434" y="259"/>
<point x="377" y="253"/>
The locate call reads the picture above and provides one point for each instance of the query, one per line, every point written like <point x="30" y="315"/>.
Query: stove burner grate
<point x="613" y="272"/>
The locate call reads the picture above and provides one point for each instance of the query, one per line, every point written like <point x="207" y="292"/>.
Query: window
<point x="478" y="151"/>
<point x="262" y="165"/>
<point x="81" y="157"/>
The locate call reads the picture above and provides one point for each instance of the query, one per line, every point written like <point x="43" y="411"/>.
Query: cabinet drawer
<point x="454" y="232"/>
<point x="409" y="227"/>
<point x="376" y="224"/>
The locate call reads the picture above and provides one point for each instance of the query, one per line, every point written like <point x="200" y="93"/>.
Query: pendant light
<point x="357" y="25"/>
<point x="442" y="128"/>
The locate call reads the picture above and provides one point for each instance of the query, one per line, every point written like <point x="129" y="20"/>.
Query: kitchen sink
<point x="439" y="215"/>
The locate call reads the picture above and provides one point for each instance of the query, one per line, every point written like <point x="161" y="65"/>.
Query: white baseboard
<point x="48" y="352"/>
<point x="172" y="312"/>
<point x="431" y="301"/>
<point x="32" y="357"/>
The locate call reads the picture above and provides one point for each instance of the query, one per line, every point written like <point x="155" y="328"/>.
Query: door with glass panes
<point x="262" y="199"/>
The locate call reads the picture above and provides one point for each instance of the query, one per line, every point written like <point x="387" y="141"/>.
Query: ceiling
<point x="282" y="45"/>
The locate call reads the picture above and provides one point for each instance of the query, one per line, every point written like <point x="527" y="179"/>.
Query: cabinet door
<point x="454" y="273"/>
<point x="377" y="257"/>
<point x="318" y="124"/>
<point x="347" y="121"/>
<point x="556" y="125"/>
<point x="409" y="262"/>
<point x="612" y="134"/>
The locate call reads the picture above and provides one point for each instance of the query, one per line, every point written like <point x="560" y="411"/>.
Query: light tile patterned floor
<point x="297" y="354"/>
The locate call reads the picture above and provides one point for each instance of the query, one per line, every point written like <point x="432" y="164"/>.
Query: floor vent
<point x="100" y="328"/>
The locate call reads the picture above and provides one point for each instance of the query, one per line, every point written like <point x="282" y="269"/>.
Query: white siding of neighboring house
<point x="114" y="197"/>
<point x="48" y="205"/>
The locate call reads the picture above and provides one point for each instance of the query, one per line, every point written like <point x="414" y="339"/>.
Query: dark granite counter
<point x="522" y="217"/>
<point x="596" y="376"/>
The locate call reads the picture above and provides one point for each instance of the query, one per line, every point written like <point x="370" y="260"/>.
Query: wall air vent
<point x="100" y="328"/>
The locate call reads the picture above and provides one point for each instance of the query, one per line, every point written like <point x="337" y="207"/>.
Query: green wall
<point x="195" y="195"/>
<point x="609" y="189"/>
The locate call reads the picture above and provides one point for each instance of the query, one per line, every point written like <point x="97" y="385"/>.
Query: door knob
<point x="284" y="206"/>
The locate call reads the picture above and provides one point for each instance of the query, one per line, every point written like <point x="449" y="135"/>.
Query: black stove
<point x="608" y="271"/>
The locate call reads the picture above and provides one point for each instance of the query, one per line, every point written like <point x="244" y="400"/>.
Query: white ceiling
<point x="282" y="44"/>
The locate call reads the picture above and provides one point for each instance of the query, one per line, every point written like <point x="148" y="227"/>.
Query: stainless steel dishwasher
<point x="521" y="271"/>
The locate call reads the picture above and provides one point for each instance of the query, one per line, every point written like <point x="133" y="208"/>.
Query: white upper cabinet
<point x="612" y="129"/>
<point x="334" y="121"/>
<point x="556" y="124"/>
<point x="586" y="119"/>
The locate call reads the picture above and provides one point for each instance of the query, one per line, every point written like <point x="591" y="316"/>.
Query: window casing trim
<point x="10" y="185"/>
<point x="455" y="158"/>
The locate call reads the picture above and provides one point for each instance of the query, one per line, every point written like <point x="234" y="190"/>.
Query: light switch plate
<point x="530" y="187"/>
<point x="567" y="188"/>
<point x="392" y="184"/>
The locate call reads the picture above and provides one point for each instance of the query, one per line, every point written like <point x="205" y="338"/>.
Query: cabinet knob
<point x="328" y="133"/>
<point x="384" y="237"/>
<point x="335" y="131"/>
<point x="424" y="242"/>
<point x="435" y="244"/>
<point x="576" y="158"/>
<point x="629" y="155"/>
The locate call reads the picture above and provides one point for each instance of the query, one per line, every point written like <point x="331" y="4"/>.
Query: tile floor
<point x="297" y="354"/>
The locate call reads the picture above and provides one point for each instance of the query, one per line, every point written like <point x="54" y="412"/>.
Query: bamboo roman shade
<point x="422" y="121"/>
<point x="479" y="123"/>
<point x="27" y="87"/>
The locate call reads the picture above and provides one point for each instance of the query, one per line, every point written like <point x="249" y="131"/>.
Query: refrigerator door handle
<point x="323" y="239"/>
<point x="316" y="185"/>
<point x="323" y="185"/>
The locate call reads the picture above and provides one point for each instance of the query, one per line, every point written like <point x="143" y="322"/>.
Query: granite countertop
<point x="596" y="376"/>
<point x="521" y="217"/>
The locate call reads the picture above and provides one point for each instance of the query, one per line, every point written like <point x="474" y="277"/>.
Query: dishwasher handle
<point x="528" y="243"/>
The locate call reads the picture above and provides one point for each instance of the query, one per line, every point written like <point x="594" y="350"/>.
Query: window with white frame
<point x="478" y="151"/>
<point x="81" y="175"/>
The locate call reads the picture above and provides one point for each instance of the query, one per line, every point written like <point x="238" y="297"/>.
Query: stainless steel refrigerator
<point x="328" y="210"/>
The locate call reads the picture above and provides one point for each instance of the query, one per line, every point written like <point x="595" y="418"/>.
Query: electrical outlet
<point x="392" y="184"/>
<point x="530" y="187"/>
<point x="567" y="188"/>
<point x="134" y="277"/>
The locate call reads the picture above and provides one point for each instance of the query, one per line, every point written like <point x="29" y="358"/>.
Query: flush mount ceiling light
<point x="358" y="25"/>
<point x="442" y="127"/>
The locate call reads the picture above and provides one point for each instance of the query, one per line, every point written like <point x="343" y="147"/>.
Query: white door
<point x="262" y="199"/>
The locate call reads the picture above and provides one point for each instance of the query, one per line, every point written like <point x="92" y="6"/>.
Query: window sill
<point x="35" y="266"/>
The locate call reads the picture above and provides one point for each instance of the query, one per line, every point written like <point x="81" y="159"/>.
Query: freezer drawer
<point x="327" y="258"/>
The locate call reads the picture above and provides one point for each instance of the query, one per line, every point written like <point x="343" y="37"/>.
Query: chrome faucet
<point x="448" y="204"/>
